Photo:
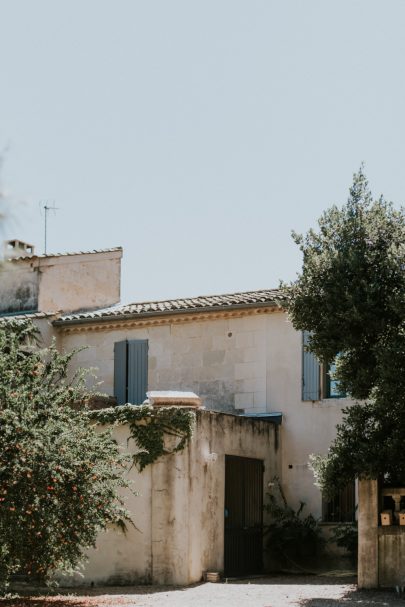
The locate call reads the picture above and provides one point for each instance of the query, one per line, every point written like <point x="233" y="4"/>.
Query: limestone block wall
<point x="179" y="509"/>
<point x="223" y="361"/>
<point x="252" y="362"/>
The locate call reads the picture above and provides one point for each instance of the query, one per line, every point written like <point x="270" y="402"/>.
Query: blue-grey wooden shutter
<point x="311" y="372"/>
<point x="137" y="370"/>
<point x="120" y="371"/>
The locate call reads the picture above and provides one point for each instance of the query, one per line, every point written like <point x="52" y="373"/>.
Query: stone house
<point x="238" y="352"/>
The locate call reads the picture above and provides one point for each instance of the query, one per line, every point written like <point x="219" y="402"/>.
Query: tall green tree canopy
<point x="350" y="296"/>
<point x="60" y="478"/>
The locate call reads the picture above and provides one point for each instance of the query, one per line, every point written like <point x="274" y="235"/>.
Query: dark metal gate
<point x="243" y="516"/>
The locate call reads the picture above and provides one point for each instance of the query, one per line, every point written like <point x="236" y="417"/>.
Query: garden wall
<point x="178" y="511"/>
<point x="381" y="548"/>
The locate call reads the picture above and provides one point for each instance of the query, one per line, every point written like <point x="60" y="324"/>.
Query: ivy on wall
<point x="148" y="427"/>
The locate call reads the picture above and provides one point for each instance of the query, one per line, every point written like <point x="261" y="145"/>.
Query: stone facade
<point x="250" y="361"/>
<point x="237" y="356"/>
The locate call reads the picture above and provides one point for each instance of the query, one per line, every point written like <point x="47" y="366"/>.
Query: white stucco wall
<point x="179" y="509"/>
<point x="251" y="363"/>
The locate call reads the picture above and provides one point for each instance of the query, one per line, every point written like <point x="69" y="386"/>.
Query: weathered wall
<point x="61" y="282"/>
<point x="368" y="534"/>
<point x="79" y="282"/>
<point x="124" y="558"/>
<point x="251" y="363"/>
<point x="179" y="511"/>
<point x="19" y="288"/>
<point x="381" y="548"/>
<point x="223" y="361"/>
<point x="391" y="553"/>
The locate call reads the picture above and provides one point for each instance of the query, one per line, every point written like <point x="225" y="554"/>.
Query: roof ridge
<point x="220" y="295"/>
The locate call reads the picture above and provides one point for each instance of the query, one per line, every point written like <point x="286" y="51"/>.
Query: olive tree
<point x="350" y="297"/>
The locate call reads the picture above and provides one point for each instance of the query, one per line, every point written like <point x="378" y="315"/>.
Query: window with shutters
<point x="131" y="371"/>
<point x="317" y="379"/>
<point x="311" y="372"/>
<point x="330" y="385"/>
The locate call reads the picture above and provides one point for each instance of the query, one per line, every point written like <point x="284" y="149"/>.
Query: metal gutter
<point x="19" y="313"/>
<point x="274" y="417"/>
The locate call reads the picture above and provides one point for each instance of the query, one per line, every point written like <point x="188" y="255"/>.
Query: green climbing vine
<point x="148" y="426"/>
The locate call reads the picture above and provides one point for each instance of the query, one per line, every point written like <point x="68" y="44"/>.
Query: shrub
<point x="59" y="476"/>
<point x="346" y="536"/>
<point x="292" y="538"/>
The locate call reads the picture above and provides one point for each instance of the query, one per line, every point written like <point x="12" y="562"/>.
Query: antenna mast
<point x="47" y="207"/>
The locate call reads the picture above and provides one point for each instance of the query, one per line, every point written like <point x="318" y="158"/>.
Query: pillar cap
<point x="173" y="398"/>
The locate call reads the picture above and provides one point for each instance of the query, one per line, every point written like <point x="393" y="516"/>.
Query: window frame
<point x="327" y="381"/>
<point x="315" y="376"/>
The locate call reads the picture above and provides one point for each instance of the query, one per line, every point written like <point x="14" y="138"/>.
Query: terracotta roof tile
<point x="270" y="297"/>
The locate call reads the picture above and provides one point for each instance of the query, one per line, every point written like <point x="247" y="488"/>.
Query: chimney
<point x="17" y="248"/>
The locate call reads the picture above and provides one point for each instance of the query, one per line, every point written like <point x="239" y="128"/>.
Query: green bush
<point x="60" y="478"/>
<point x="291" y="537"/>
<point x="149" y="426"/>
<point x="345" y="536"/>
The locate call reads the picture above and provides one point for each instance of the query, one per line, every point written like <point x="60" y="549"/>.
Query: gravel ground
<point x="275" y="591"/>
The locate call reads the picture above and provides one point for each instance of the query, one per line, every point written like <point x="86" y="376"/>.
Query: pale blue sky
<point x="196" y="133"/>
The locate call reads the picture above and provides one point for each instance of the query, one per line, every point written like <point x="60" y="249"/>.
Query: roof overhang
<point x="200" y="311"/>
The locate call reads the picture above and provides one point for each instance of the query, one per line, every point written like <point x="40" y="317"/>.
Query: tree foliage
<point x="149" y="426"/>
<point x="59" y="477"/>
<point x="350" y="296"/>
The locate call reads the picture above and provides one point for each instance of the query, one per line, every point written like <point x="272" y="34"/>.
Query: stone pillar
<point x="172" y="491"/>
<point x="368" y="534"/>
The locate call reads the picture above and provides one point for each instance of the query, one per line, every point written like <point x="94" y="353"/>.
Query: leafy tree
<point x="350" y="297"/>
<point x="59" y="477"/>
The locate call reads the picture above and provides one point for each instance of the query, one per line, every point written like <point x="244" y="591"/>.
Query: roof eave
<point x="46" y="256"/>
<point x="154" y="313"/>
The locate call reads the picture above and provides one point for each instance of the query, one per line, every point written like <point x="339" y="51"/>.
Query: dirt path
<point x="279" y="591"/>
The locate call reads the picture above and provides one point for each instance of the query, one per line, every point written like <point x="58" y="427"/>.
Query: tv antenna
<point x="47" y="205"/>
